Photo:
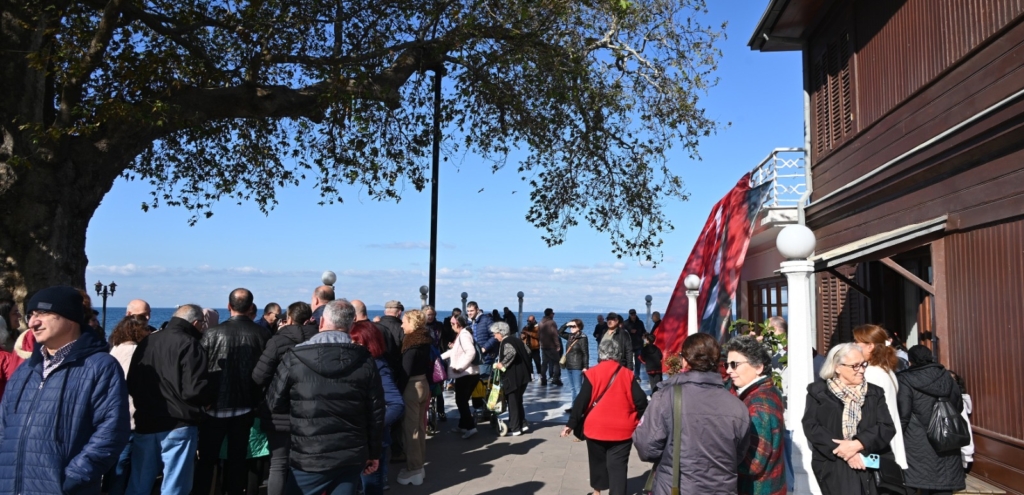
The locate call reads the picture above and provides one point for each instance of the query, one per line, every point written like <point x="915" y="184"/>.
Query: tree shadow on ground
<point x="452" y="461"/>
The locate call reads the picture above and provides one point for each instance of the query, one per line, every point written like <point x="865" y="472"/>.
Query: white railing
<point x="785" y="169"/>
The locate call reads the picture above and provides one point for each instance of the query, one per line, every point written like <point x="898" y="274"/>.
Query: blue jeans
<point x="373" y="484"/>
<point x="341" y="481"/>
<point x="116" y="480"/>
<point x="575" y="378"/>
<point x="176" y="449"/>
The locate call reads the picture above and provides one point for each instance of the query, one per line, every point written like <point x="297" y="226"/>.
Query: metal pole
<point x="435" y="174"/>
<point x="648" y="299"/>
<point x="520" y="320"/>
<point x="104" y="309"/>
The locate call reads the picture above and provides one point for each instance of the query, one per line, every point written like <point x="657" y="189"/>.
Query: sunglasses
<point x="860" y="366"/>
<point x="734" y="364"/>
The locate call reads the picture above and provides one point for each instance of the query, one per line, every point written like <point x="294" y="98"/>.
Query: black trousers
<point x="211" y="435"/>
<point x="654" y="380"/>
<point x="516" y="413"/>
<point x="550" y="365"/>
<point x="608" y="462"/>
<point x="535" y="359"/>
<point x="464" y="386"/>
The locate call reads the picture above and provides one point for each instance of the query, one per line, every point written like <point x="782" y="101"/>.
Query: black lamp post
<point x="102" y="291"/>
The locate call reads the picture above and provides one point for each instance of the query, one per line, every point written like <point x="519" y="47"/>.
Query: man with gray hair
<point x="168" y="382"/>
<point x="331" y="388"/>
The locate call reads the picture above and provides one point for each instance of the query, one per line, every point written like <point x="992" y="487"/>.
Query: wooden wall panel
<point x="901" y="46"/>
<point x="985" y="270"/>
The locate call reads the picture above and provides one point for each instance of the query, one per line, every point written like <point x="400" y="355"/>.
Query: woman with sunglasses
<point x="845" y="421"/>
<point x="762" y="470"/>
<point x="577" y="355"/>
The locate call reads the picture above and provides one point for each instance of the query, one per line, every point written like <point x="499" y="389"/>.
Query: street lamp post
<point x="424" y="290"/>
<point x="796" y="243"/>
<point x="329" y="278"/>
<point x="102" y="291"/>
<point x="520" y="320"/>
<point x="692" y="284"/>
<point x="648" y="299"/>
<point x="465" y="297"/>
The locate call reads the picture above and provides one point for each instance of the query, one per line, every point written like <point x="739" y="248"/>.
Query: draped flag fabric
<point x="717" y="259"/>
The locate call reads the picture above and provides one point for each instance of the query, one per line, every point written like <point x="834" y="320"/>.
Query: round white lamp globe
<point x="648" y="298"/>
<point x="424" y="290"/>
<point x="692" y="282"/>
<point x="795" y="242"/>
<point x="520" y="294"/>
<point x="329" y="278"/>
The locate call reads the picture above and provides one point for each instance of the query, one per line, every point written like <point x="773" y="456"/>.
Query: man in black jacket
<point x="617" y="332"/>
<point x="332" y="389"/>
<point x="390" y="326"/>
<point x="168" y="382"/>
<point x="636" y="328"/>
<point x="233" y="348"/>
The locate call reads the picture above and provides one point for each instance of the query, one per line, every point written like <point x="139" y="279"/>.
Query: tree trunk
<point x="46" y="211"/>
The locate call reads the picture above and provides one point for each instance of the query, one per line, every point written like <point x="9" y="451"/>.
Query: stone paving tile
<point x="537" y="463"/>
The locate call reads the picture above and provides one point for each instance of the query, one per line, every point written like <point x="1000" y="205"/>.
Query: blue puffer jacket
<point x="59" y="436"/>
<point x="484" y="338"/>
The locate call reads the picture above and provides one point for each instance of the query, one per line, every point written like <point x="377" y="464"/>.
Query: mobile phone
<point x="871" y="461"/>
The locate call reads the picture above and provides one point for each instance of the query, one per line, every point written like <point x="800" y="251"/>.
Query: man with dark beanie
<point x="69" y="371"/>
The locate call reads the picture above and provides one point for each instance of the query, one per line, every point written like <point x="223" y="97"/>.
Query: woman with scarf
<point x="845" y="421"/>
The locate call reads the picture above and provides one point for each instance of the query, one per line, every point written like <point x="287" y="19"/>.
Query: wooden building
<point x="915" y="138"/>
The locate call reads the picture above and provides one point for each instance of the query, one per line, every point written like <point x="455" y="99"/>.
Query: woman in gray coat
<point x="713" y="439"/>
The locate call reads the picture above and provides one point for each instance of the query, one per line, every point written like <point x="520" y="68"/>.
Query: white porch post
<point x="796" y="243"/>
<point x="692" y="284"/>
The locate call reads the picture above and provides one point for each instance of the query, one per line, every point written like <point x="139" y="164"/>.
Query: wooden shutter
<point x="840" y="308"/>
<point x="833" y="93"/>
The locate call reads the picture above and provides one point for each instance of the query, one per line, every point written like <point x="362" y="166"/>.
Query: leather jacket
<point x="577" y="357"/>
<point x="233" y="349"/>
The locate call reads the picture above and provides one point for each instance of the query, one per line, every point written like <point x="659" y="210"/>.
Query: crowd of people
<point x="329" y="398"/>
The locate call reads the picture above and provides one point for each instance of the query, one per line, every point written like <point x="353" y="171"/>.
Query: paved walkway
<point x="538" y="462"/>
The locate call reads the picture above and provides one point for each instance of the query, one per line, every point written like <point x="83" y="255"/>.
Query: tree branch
<point x="71" y="95"/>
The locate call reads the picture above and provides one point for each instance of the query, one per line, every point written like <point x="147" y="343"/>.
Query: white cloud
<point x="606" y="286"/>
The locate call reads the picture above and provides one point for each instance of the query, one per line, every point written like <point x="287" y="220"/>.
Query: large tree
<point x="231" y="99"/>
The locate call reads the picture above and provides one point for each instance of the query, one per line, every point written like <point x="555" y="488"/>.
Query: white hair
<point x="835" y="358"/>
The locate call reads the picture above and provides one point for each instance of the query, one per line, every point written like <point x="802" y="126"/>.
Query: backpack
<point x="947" y="431"/>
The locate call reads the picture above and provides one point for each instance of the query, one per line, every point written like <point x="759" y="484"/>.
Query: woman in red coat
<point x="609" y="406"/>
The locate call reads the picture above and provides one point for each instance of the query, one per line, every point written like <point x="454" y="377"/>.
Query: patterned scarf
<point x="853" y="400"/>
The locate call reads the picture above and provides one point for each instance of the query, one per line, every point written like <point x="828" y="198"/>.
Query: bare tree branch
<point x="71" y="94"/>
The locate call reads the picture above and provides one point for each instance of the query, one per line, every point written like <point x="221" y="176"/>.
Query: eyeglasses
<point x="734" y="364"/>
<point x="861" y="366"/>
<point x="37" y="314"/>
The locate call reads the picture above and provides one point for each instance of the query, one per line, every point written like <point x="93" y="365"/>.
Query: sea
<point x="161" y="315"/>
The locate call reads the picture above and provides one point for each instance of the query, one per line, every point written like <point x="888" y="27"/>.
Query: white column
<point x="691" y="312"/>
<point x="800" y="368"/>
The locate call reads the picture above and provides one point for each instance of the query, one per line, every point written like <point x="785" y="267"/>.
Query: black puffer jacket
<point x="335" y="401"/>
<point x="577" y="356"/>
<point x="284" y="340"/>
<point x="232" y="349"/>
<point x="823" y="422"/>
<point x="920" y="387"/>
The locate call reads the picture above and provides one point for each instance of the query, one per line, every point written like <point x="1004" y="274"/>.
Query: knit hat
<point x="61" y="299"/>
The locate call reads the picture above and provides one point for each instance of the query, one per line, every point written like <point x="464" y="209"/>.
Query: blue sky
<point x="486" y="247"/>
